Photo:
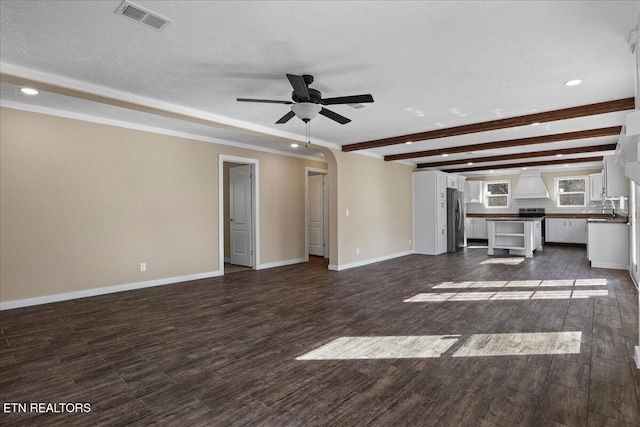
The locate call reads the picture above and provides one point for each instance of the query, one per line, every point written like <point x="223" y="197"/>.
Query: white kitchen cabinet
<point x="615" y="181"/>
<point x="608" y="245"/>
<point x="442" y="240"/>
<point x="566" y="230"/>
<point x="555" y="230"/>
<point x="577" y="232"/>
<point x="452" y="182"/>
<point x="441" y="182"/>
<point x="441" y="213"/>
<point x="429" y="212"/>
<point x="520" y="237"/>
<point x="596" y="187"/>
<point x="473" y="192"/>
<point x="476" y="228"/>
<point x="461" y="181"/>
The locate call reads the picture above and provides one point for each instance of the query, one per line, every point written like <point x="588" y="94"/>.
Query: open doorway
<point x="316" y="213"/>
<point x="239" y="213"/>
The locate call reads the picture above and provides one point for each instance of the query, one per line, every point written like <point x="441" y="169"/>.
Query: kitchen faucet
<point x="612" y="208"/>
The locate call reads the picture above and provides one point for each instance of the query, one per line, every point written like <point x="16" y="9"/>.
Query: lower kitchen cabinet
<point x="476" y="228"/>
<point x="566" y="230"/>
<point x="608" y="245"/>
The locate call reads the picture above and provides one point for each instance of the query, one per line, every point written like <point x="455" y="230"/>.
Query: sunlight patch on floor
<point x="564" y="282"/>
<point x="504" y="261"/>
<point x="433" y="346"/>
<point x="520" y="344"/>
<point x="507" y="295"/>
<point x="478" y="246"/>
<point x="390" y="347"/>
<point x="591" y="282"/>
<point x="520" y="283"/>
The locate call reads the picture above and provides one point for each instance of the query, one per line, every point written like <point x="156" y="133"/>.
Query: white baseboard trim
<point x="610" y="265"/>
<point x="8" y="305"/>
<point x="368" y="261"/>
<point x="281" y="263"/>
<point x="633" y="279"/>
<point x="637" y="348"/>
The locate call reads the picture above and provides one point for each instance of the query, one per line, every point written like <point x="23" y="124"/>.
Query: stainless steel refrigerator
<point x="455" y="220"/>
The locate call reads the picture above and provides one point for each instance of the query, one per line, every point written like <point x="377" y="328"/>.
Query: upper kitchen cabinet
<point x="596" y="187"/>
<point x="452" y="182"/>
<point x="473" y="192"/>
<point x="461" y="180"/>
<point x="615" y="182"/>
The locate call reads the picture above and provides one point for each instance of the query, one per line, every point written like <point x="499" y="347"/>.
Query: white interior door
<point x="634" y="212"/>
<point x="316" y="215"/>
<point x="240" y="215"/>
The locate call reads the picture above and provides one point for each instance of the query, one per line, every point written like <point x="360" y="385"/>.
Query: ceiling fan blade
<point x="286" y="117"/>
<point x="354" y="99"/>
<point x="269" y="101"/>
<point x="299" y="87"/>
<point x="334" y="116"/>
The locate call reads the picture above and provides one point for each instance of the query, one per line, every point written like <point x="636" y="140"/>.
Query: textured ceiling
<point x="428" y="64"/>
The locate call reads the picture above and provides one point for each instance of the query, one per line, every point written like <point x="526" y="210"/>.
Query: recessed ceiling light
<point x="294" y="145"/>
<point x="29" y="91"/>
<point x="409" y="142"/>
<point x="575" y="82"/>
<point x="535" y="124"/>
<point x="566" y="166"/>
<point x="491" y="171"/>
<point x="558" y="155"/>
<point x="524" y="169"/>
<point x="469" y="163"/>
<point x="445" y="155"/>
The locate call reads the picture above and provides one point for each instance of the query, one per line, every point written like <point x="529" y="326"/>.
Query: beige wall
<point x="83" y="204"/>
<point x="379" y="196"/>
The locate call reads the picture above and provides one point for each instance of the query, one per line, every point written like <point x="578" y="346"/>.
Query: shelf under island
<point x="521" y="236"/>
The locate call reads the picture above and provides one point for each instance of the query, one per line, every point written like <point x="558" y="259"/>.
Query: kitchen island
<point x="521" y="236"/>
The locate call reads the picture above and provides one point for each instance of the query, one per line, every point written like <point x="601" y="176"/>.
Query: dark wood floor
<point x="223" y="351"/>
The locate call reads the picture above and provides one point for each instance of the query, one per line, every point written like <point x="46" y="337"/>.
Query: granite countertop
<point x="609" y="220"/>
<point x="517" y="218"/>
<point x="546" y="215"/>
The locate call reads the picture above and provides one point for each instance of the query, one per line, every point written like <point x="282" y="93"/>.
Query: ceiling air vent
<point x="357" y="106"/>
<point x="142" y="15"/>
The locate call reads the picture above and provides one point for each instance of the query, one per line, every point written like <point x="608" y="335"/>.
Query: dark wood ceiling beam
<point x="516" y="156"/>
<point x="558" y="137"/>
<point x="547" y="116"/>
<point x="527" y="164"/>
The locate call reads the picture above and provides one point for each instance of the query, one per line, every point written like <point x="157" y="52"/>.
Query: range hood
<point x="530" y="186"/>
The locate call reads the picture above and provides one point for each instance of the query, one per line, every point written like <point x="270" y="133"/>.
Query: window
<point x="572" y="191"/>
<point x="497" y="194"/>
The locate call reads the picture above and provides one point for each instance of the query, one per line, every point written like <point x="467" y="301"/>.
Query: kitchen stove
<point x="533" y="213"/>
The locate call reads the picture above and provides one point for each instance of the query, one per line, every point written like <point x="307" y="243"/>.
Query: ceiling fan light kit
<point x="306" y="110"/>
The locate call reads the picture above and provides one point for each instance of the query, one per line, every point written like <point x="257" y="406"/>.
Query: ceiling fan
<point x="307" y="102"/>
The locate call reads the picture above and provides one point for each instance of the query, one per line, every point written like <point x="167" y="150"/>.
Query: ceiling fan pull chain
<point x="308" y="135"/>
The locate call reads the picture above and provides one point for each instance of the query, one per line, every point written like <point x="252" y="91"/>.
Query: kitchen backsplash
<point x="549" y="205"/>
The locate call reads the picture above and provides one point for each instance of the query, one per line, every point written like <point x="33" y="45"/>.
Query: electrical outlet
<point x="347" y="212"/>
<point x="143" y="266"/>
<point x="409" y="242"/>
<point x="357" y="251"/>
